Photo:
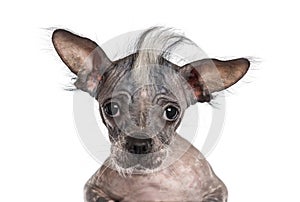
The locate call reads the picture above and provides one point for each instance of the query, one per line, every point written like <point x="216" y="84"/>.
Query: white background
<point x="257" y="157"/>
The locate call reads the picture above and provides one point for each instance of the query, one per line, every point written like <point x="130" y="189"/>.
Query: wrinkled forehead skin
<point x="145" y="83"/>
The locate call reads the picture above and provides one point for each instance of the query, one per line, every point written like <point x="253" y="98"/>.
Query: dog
<point x="142" y="98"/>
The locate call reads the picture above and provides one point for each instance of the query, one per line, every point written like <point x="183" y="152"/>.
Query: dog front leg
<point x="217" y="195"/>
<point x="95" y="194"/>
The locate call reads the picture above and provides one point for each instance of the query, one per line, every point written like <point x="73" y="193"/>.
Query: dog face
<point x="142" y="114"/>
<point x="142" y="97"/>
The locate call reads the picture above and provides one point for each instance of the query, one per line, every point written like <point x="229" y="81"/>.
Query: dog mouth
<point x="138" y="162"/>
<point x="139" y="154"/>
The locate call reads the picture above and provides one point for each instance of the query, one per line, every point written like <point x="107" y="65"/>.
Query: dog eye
<point x="171" y="113"/>
<point x="112" y="109"/>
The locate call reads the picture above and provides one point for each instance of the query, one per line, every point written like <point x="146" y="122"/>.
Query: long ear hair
<point x="83" y="57"/>
<point x="211" y="75"/>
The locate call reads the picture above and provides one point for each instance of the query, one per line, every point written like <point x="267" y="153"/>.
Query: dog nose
<point x="138" y="146"/>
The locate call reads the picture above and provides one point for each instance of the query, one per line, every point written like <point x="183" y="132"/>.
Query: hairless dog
<point x="142" y="98"/>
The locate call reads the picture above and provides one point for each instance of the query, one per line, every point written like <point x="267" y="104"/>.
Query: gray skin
<point x="189" y="178"/>
<point x="149" y="161"/>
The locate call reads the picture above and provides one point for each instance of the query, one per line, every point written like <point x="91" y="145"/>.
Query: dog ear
<point x="83" y="57"/>
<point x="211" y="75"/>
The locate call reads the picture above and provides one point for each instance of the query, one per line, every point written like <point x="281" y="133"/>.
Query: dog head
<point x="142" y="97"/>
